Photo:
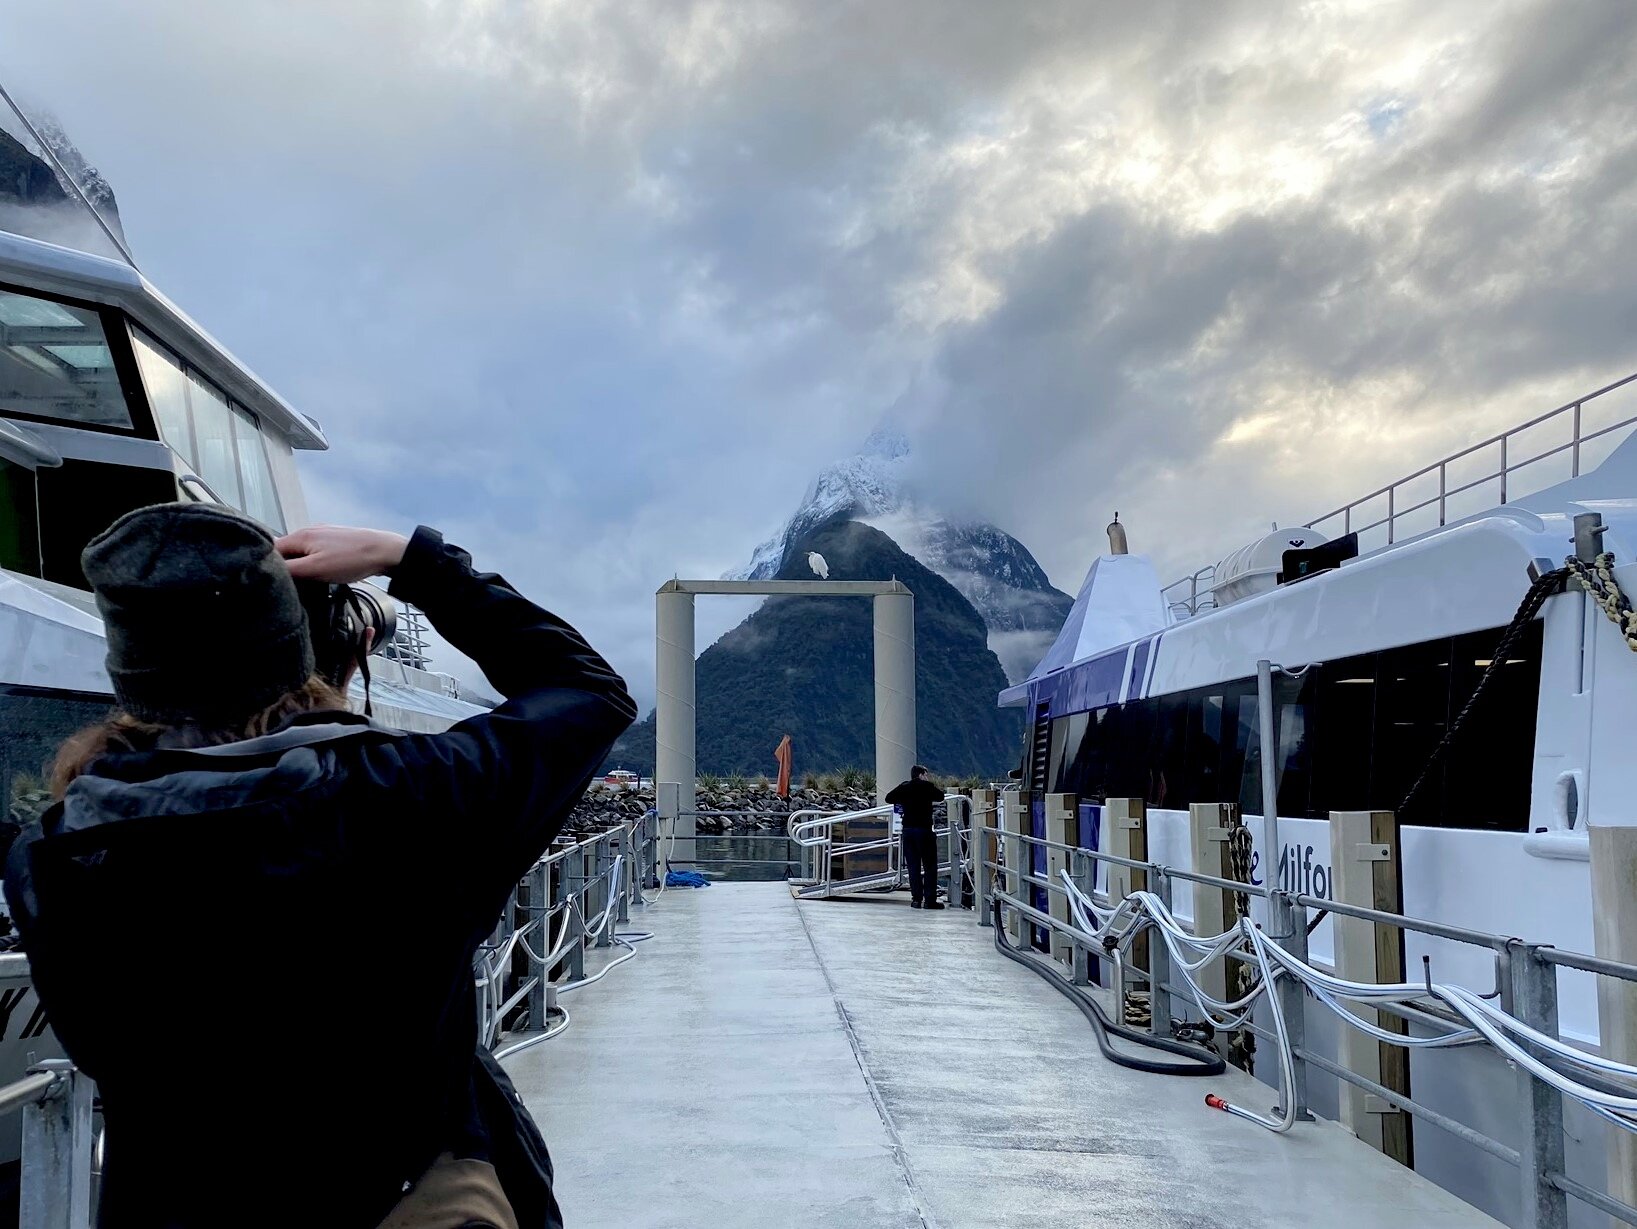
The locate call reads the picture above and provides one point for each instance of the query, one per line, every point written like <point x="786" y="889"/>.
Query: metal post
<point x="1159" y="967"/>
<point x="1443" y="488"/>
<point x="574" y="876"/>
<point x="1575" y="468"/>
<point x="538" y="886"/>
<point x="984" y="810"/>
<point x="1290" y="933"/>
<point x="602" y="856"/>
<point x="1267" y="744"/>
<point x="952" y="808"/>
<point x="1083" y="871"/>
<point x="894" y="690"/>
<point x="56" y="1178"/>
<point x="1503" y="469"/>
<point x="1534" y="1001"/>
<point x="1017" y="857"/>
<point x="1390" y="514"/>
<point x="628" y="875"/>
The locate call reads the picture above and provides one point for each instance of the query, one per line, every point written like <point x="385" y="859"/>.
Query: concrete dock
<point x="764" y="1061"/>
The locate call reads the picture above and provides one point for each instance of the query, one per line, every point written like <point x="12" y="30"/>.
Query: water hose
<point x="1199" y="1061"/>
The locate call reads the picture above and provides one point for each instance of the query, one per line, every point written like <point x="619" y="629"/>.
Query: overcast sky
<point x="598" y="286"/>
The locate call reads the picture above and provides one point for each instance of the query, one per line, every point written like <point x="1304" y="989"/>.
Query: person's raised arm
<point x="514" y="773"/>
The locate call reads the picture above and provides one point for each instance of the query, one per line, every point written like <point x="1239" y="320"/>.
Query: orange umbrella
<point x="782" y="754"/>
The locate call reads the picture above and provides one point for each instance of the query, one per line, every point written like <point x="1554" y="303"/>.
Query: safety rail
<point x="58" y="1145"/>
<point x="1523" y="1029"/>
<point x="570" y="902"/>
<point x="1192" y="594"/>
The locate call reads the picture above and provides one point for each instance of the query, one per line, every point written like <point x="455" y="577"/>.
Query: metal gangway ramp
<point x="851" y="1063"/>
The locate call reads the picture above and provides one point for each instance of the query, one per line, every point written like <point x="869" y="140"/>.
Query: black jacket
<point x="263" y="953"/>
<point x="917" y="798"/>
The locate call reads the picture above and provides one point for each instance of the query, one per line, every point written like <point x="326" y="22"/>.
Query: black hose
<point x="1200" y="1060"/>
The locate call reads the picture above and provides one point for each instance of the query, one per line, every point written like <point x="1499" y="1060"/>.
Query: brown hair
<point x="121" y="732"/>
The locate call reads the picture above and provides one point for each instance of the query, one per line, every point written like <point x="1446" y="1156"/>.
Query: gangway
<point x="815" y="831"/>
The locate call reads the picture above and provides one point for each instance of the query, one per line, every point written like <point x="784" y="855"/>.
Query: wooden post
<point x="1128" y="838"/>
<point x="1365" y="870"/>
<point x="1063" y="828"/>
<point x="1215" y="909"/>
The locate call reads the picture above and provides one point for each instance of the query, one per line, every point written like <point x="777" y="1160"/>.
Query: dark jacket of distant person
<point x="263" y="953"/>
<point x="917" y="797"/>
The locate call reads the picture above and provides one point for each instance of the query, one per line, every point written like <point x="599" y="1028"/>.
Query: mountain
<point x="37" y="196"/>
<point x="995" y="572"/>
<point x="804" y="666"/>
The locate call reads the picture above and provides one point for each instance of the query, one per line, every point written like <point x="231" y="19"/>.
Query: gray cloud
<point x="598" y="287"/>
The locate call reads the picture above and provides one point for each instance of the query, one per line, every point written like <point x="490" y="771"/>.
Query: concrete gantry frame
<point x="675" y="716"/>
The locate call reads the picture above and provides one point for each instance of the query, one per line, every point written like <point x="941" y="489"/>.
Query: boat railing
<point x="1486" y="474"/>
<point x="1525" y="985"/>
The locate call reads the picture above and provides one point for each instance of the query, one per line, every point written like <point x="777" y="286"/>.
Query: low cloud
<point x="599" y="287"/>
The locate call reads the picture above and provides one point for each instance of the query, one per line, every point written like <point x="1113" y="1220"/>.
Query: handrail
<point x="1522" y="1031"/>
<point x="1578" y="438"/>
<point x="29" y="1089"/>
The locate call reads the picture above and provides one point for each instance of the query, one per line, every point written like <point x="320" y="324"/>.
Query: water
<point x="748" y="858"/>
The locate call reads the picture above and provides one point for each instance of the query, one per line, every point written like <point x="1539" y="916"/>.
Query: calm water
<point x="712" y="853"/>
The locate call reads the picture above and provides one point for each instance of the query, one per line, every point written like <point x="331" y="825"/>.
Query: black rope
<point x="1200" y="1061"/>
<point x="1545" y="586"/>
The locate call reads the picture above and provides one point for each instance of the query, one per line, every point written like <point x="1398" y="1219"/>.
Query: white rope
<point x="1479" y="1021"/>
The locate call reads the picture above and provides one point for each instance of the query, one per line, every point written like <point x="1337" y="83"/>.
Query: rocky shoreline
<point x="762" y="808"/>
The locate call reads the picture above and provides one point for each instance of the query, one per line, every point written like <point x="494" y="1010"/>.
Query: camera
<point x="340" y="619"/>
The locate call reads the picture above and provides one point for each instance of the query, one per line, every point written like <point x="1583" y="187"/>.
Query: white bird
<point x="820" y="568"/>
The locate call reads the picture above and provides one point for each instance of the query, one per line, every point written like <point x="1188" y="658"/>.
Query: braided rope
<point x="1598" y="579"/>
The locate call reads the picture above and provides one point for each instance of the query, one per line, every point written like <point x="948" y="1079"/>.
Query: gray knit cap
<point x="202" y="616"/>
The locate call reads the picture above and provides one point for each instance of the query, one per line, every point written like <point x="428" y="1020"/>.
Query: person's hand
<point x="340" y="555"/>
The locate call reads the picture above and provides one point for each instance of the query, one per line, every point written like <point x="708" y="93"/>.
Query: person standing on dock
<point x="292" y="870"/>
<point x="915" y="799"/>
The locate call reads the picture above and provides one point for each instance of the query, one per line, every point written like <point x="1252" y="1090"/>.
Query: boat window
<point x="167" y="395"/>
<point x="256" y="477"/>
<point x="217" y="438"/>
<point x="1353" y="734"/>
<point x="218" y="461"/>
<point x="55" y="364"/>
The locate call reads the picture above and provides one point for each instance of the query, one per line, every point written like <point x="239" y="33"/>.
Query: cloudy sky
<point x="598" y="285"/>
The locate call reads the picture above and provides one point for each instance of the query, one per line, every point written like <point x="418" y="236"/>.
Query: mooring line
<point x="899" y="1155"/>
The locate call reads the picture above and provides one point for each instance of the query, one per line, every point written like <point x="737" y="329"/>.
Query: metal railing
<point x="567" y="904"/>
<point x="1525" y="974"/>
<point x="1192" y="594"/>
<point x="55" y="1100"/>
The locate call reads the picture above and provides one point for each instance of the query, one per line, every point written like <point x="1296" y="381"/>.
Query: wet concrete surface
<point x="765" y="1061"/>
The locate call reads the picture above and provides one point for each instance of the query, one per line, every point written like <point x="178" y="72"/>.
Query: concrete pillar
<point x="1215" y="909"/>
<point x="894" y="691"/>
<point x="674" y="716"/>
<point x="1063" y="828"/>
<point x="1364" y="870"/>
<point x="1614" y="932"/>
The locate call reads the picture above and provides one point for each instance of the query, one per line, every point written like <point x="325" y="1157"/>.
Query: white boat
<point x="112" y="398"/>
<point x="1151" y="693"/>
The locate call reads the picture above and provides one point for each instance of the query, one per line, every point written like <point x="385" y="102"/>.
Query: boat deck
<point x="854" y="1063"/>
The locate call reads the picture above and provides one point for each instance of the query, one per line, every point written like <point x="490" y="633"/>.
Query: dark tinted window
<point x="1353" y="734"/>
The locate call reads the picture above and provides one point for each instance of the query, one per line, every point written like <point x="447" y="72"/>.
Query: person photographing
<point x="252" y="914"/>
<point x="915" y="799"/>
